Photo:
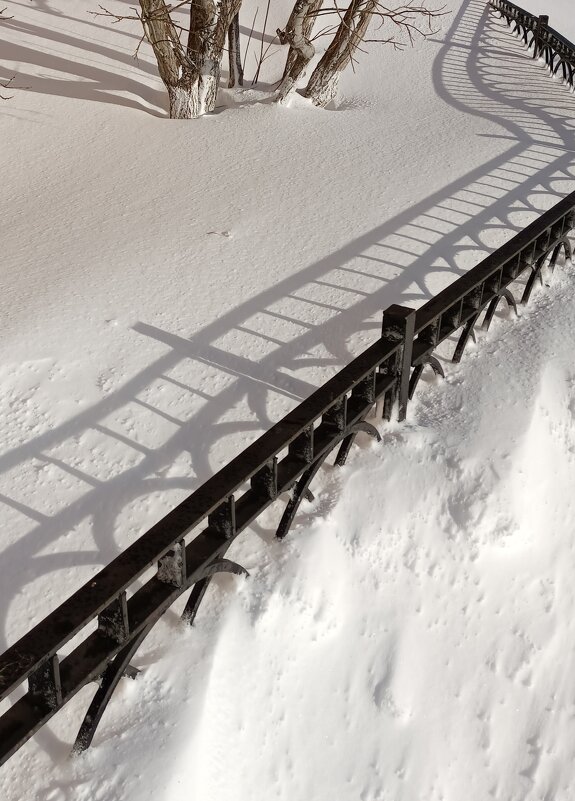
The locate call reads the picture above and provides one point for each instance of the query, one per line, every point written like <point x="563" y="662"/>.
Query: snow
<point x="172" y="288"/>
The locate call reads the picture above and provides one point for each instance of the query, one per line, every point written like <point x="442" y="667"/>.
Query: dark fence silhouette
<point x="113" y="613"/>
<point x="558" y="52"/>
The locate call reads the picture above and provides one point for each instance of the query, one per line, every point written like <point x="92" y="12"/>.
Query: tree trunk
<point x="322" y="85"/>
<point x="190" y="75"/>
<point x="209" y="25"/>
<point x="235" y="61"/>
<point x="201" y="51"/>
<point x="172" y="62"/>
<point x="296" y="32"/>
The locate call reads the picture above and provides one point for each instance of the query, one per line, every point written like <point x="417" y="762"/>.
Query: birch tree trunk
<point x="322" y="85"/>
<point x="297" y="32"/>
<point x="173" y="65"/>
<point x="202" y="51"/>
<point x="190" y="75"/>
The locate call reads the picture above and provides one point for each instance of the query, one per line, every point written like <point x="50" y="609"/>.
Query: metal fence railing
<point x="547" y="43"/>
<point x="188" y="545"/>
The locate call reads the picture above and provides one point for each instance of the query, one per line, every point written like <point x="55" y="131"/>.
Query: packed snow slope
<point x="169" y="289"/>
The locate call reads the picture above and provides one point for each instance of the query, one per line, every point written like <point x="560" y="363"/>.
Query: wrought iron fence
<point x="111" y="614"/>
<point x="188" y="546"/>
<point x="547" y="43"/>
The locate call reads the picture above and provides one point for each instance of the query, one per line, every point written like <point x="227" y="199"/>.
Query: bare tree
<point x="408" y="19"/>
<point x="191" y="75"/>
<point x="191" y="71"/>
<point x="234" y="57"/>
<point x="177" y="71"/>
<point x="296" y="33"/>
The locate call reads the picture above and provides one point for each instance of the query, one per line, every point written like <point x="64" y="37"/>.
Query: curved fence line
<point x="111" y="616"/>
<point x="547" y="43"/>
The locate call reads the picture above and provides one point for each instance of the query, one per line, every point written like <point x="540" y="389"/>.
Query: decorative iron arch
<point x="537" y="268"/>
<point x="467" y="334"/>
<point x="109" y="680"/>
<point x="120" y="666"/>
<point x="199" y="589"/>
<point x="503" y="294"/>
<point x="429" y="361"/>
<point x="345" y="440"/>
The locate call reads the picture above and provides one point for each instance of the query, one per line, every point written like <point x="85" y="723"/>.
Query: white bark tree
<point x="191" y="74"/>
<point x="322" y="85"/>
<point x="351" y="32"/>
<point x="296" y="33"/>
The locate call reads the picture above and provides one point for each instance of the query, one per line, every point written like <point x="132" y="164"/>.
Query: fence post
<point x="542" y="23"/>
<point x="398" y="324"/>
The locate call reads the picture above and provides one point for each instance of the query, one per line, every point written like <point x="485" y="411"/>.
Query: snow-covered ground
<point x="170" y="289"/>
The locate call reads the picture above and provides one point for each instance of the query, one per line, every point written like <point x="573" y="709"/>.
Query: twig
<point x="249" y="39"/>
<point x="6" y="86"/>
<point x="257" y="73"/>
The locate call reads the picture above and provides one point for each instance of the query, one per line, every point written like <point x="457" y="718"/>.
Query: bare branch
<point x="104" y="12"/>
<point x="249" y="39"/>
<point x="6" y="86"/>
<point x="261" y="59"/>
<point x="411" y="19"/>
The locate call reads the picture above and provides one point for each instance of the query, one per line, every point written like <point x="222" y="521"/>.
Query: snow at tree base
<point x="169" y="290"/>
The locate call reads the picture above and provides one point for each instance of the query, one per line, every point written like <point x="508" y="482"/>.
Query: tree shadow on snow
<point x="84" y="78"/>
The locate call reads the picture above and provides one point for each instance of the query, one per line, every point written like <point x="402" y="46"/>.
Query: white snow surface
<point x="169" y="290"/>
